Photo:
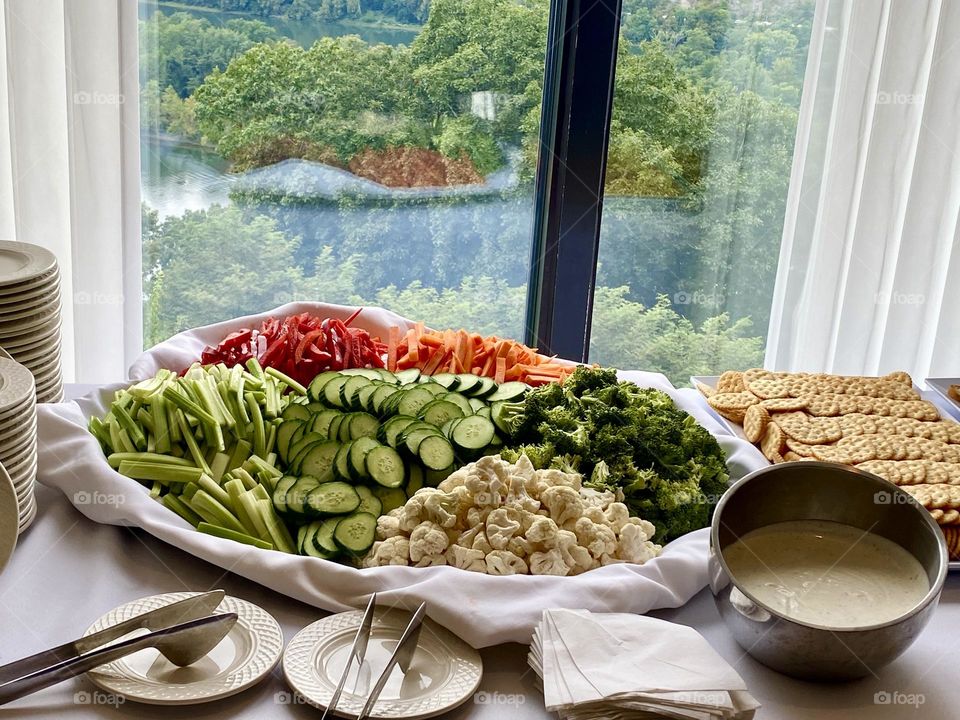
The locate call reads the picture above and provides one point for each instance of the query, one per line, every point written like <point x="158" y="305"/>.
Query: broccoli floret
<point x="586" y="379"/>
<point x="540" y="456"/>
<point x="567" y="442"/>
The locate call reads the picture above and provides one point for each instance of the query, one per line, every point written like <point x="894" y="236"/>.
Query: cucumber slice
<point x="323" y="540"/>
<point x="280" y="492"/>
<point x="364" y="396"/>
<point x="386" y="375"/>
<point x="296" y="496"/>
<point x="390" y="498"/>
<point x="430" y="386"/>
<point x="315" y="407"/>
<point x="467" y="383"/>
<point x="461" y="401"/>
<point x="369" y="502"/>
<point x="473" y="433"/>
<point x="333" y="498"/>
<point x="477" y="404"/>
<point x="408" y="376"/>
<point x="301" y="532"/>
<point x="355" y="534"/>
<point x="311" y="545"/>
<point x="436" y="452"/>
<point x="509" y="391"/>
<point x="350" y="388"/>
<point x="369" y="373"/>
<point x="331" y="391"/>
<point x="333" y="429"/>
<point x="448" y="380"/>
<point x="322" y="420"/>
<point x="341" y="463"/>
<point x="315" y="388"/>
<point x="343" y="431"/>
<point x="385" y="467"/>
<point x="358" y="453"/>
<point x="295" y="412"/>
<point x="363" y="425"/>
<point x="285" y="432"/>
<point x="297" y="446"/>
<point x="391" y="429"/>
<point x="413" y="436"/>
<point x="486" y="387"/>
<point x="413" y="401"/>
<point x="432" y="478"/>
<point x="318" y="460"/>
<point x="440" y="412"/>
<point x="380" y="396"/>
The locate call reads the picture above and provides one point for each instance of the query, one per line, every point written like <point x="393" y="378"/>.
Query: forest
<point x="701" y="144"/>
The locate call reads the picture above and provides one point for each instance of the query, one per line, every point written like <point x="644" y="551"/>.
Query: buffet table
<point x="68" y="570"/>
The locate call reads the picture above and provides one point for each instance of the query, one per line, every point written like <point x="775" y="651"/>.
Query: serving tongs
<point x="402" y="656"/>
<point x="183" y="632"/>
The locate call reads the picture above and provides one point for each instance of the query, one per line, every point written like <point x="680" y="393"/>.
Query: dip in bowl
<point x="822" y="571"/>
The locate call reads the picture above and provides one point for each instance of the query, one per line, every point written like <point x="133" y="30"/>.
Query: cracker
<point x="785" y="404"/>
<point x="731" y="381"/>
<point x="936" y="497"/>
<point x="799" y="448"/>
<point x="755" y="421"/>
<point x="790" y="456"/>
<point x="768" y="388"/>
<point x="732" y="401"/>
<point x="772" y="442"/>
<point x="952" y="537"/>
<point x="822" y="405"/>
<point x="900" y="377"/>
<point x="946" y="517"/>
<point x="705" y="390"/>
<point x="812" y="431"/>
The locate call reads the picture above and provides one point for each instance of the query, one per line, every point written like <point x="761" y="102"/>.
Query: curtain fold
<point x="868" y="253"/>
<point x="69" y="148"/>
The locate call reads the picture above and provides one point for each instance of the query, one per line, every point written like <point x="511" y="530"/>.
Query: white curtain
<point x="869" y="274"/>
<point x="69" y="166"/>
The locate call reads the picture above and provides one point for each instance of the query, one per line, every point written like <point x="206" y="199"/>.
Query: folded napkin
<point x="615" y="665"/>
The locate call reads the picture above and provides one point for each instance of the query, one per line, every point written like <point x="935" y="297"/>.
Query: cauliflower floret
<point x="519" y="499"/>
<point x="502" y="524"/>
<point x="441" y="507"/>
<point x="427" y="539"/>
<point x="431" y="561"/>
<point x="413" y="513"/>
<point x="573" y="554"/>
<point x="466" y="558"/>
<point x="645" y="525"/>
<point x="388" y="526"/>
<point x="454" y="480"/>
<point x="548" y="563"/>
<point x="481" y="543"/>
<point x="563" y="503"/>
<point x="524" y="469"/>
<point x="504" y="562"/>
<point x="595" y="514"/>
<point x="552" y="477"/>
<point x="616" y="515"/>
<point x="597" y="498"/>
<point x="520" y="547"/>
<point x="467" y="537"/>
<point x="392" y="551"/>
<point x="598" y="539"/>
<point x="610" y="560"/>
<point x="478" y="516"/>
<point x="544" y="532"/>
<point x="634" y="546"/>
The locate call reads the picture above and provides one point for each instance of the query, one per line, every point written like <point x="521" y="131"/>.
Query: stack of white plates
<point x="18" y="435"/>
<point x="30" y="314"/>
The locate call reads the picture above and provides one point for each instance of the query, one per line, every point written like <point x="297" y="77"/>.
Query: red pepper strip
<point x="346" y="323"/>
<point x="348" y="357"/>
<point x="306" y="341"/>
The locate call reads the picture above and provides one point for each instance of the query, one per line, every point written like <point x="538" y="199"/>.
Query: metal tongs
<point x="183" y="631"/>
<point x="402" y="656"/>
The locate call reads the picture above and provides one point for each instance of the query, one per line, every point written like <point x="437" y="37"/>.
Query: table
<point x="68" y="570"/>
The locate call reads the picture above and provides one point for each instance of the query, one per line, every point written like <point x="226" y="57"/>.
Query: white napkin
<point x="613" y="665"/>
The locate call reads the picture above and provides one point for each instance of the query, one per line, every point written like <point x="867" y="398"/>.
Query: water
<point x="303" y="32"/>
<point x="176" y="177"/>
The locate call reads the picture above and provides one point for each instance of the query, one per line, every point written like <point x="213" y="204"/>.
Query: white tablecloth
<point x="68" y="570"/>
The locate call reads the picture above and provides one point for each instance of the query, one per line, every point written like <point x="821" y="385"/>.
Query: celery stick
<point x="271" y="439"/>
<point x="143" y="417"/>
<point x="246" y="478"/>
<point x="187" y="405"/>
<point x="272" y="461"/>
<point x="227" y="416"/>
<point x="173" y="427"/>
<point x="174" y="503"/>
<point x="260" y="493"/>
<point x="126" y="444"/>
<point x="253" y="366"/>
<point x="235" y="489"/>
<point x="253" y="511"/>
<point x="151" y="443"/>
<point x="207" y="484"/>
<point x="146" y="388"/>
<point x="259" y="436"/>
<point x="164" y="473"/>
<point x="241" y="451"/>
<point x="189" y="490"/>
<point x="293" y="384"/>
<point x="198" y="458"/>
<point x="207" y="507"/>
<point x="133" y="430"/>
<point x="219" y="466"/>
<point x="278" y="531"/>
<point x="101" y="433"/>
<point x="155" y="490"/>
<point x="227" y="534"/>
<point x="263" y="465"/>
<point x="158" y="414"/>
<point x="114" y="459"/>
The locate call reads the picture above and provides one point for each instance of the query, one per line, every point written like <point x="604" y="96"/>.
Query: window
<point x="700" y="149"/>
<point x="376" y="153"/>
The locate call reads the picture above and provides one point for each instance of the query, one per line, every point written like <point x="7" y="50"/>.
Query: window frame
<point x="582" y="40"/>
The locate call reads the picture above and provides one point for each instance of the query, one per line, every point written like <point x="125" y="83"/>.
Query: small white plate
<point x="244" y="657"/>
<point x="17" y="310"/>
<point x="13" y="440"/>
<point x="54" y="395"/>
<point x="23" y="473"/>
<point x="445" y="671"/>
<point x="20" y="262"/>
<point x="16" y="384"/>
<point x="13" y="449"/>
<point x="15" y="342"/>
<point x="27" y="515"/>
<point x="11" y="414"/>
<point x="9" y="518"/>
<point x="39" y="352"/>
<point x="44" y="368"/>
<point x="30" y="288"/>
<point x="34" y="322"/>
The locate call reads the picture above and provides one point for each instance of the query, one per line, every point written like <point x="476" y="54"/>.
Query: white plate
<point x="11" y="414"/>
<point x="44" y="368"/>
<point x="9" y="518"/>
<point x="941" y="386"/>
<point x="16" y="384"/>
<point x="20" y="262"/>
<point x="49" y="303"/>
<point x="54" y="396"/>
<point x="13" y="440"/>
<point x="24" y="473"/>
<point x="31" y="288"/>
<point x="244" y="657"/>
<point x="39" y="352"/>
<point x="444" y="674"/>
<point x="34" y="322"/>
<point x="18" y="341"/>
<point x="27" y="517"/>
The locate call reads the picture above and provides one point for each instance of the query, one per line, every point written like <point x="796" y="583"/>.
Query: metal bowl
<point x="822" y="491"/>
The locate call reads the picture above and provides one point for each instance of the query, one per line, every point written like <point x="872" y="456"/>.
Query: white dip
<point x="827" y="573"/>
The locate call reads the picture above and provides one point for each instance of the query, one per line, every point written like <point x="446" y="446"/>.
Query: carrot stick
<point x="392" y="348"/>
